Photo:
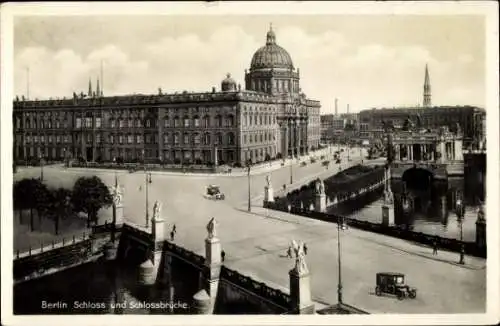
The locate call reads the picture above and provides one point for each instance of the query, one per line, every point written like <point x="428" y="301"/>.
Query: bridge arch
<point x="418" y="177"/>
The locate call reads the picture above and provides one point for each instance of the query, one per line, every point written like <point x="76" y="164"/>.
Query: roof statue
<point x="300" y="261"/>
<point x="212" y="228"/>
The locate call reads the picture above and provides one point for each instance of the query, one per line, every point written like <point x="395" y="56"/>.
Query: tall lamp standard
<point x="339" y="288"/>
<point x="249" y="164"/>
<point x="291" y="169"/>
<point x="40" y="156"/>
<point x="147" y="177"/>
<point x="460" y="211"/>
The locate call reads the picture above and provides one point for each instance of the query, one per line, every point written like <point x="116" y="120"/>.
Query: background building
<point x="270" y="119"/>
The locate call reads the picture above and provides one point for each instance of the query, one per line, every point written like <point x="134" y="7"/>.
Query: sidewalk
<point x="403" y="246"/>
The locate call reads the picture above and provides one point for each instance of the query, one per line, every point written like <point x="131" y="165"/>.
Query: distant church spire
<point x="98" y="91"/>
<point x="427" y="88"/>
<point x="90" y="88"/>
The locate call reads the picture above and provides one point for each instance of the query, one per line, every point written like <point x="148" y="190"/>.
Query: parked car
<point x="213" y="192"/>
<point x="394" y="283"/>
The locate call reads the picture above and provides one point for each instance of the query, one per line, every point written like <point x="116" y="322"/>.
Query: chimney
<point x="336" y="106"/>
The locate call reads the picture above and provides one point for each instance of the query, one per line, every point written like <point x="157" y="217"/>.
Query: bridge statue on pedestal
<point x="212" y="228"/>
<point x="300" y="261"/>
<point x="117" y="195"/>
<point x="156" y="211"/>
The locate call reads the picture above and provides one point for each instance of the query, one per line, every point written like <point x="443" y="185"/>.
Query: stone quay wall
<point x="342" y="187"/>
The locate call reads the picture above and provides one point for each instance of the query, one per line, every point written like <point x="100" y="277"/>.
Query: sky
<point x="364" y="61"/>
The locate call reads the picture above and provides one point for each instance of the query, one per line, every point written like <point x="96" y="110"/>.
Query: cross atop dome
<point x="271" y="37"/>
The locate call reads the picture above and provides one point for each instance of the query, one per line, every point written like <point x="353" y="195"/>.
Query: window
<point x="186" y="122"/>
<point x="111" y="139"/>
<point x="28" y="138"/>
<point x="50" y="139"/>
<point x="89" y="138"/>
<point x="218" y="121"/>
<point x="261" y="138"/>
<point x="230" y="121"/>
<point x="98" y="122"/>
<point x="88" y="122"/>
<point x="130" y="123"/>
<point x="206" y="121"/>
<point x="78" y="122"/>
<point x="230" y="138"/>
<point x="176" y="139"/>
<point x="148" y="123"/>
<point x="165" y="138"/>
<point x="112" y="123"/>
<point x="186" y="139"/>
<point x="148" y="139"/>
<point x="120" y="138"/>
<point x="196" y="139"/>
<point x="138" y="123"/>
<point x="98" y="138"/>
<point x="218" y="139"/>
<point x="58" y="139"/>
<point x="260" y="120"/>
<point x="166" y="122"/>
<point x="177" y="122"/>
<point x="206" y="139"/>
<point x="35" y="139"/>
<point x="121" y="123"/>
<point x="255" y="120"/>
<point x="130" y="139"/>
<point x="42" y="125"/>
<point x="42" y="139"/>
<point x="138" y="139"/>
<point x="196" y="121"/>
<point x="66" y="138"/>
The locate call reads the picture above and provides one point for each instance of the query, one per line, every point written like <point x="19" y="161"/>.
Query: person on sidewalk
<point x="174" y="229"/>
<point x="172" y="235"/>
<point x="434" y="247"/>
<point x="305" y="249"/>
<point x="289" y="252"/>
<point x="223" y="255"/>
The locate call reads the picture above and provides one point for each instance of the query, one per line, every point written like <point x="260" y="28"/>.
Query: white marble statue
<point x="268" y="180"/>
<point x="117" y="195"/>
<point x="320" y="187"/>
<point x="156" y="210"/>
<point x="212" y="228"/>
<point x="300" y="261"/>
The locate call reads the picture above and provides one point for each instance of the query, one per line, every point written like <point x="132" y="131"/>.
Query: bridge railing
<point x="48" y="246"/>
<point x="260" y="289"/>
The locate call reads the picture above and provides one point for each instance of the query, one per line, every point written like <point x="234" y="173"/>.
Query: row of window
<point x="255" y="138"/>
<point x="49" y="139"/>
<point x="249" y="120"/>
<point x="41" y="124"/>
<point x="176" y="139"/>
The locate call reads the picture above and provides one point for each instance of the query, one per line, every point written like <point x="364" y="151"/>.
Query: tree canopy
<point x="90" y="194"/>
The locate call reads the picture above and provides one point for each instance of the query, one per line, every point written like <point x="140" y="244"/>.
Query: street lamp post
<point x="460" y="211"/>
<point x="339" y="288"/>
<point x="249" y="195"/>
<point x="40" y="156"/>
<point x="291" y="169"/>
<point x="147" y="181"/>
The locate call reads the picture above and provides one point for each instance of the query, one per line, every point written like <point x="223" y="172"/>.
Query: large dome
<point x="271" y="55"/>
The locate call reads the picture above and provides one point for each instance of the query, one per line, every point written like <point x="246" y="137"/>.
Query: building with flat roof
<point x="270" y="118"/>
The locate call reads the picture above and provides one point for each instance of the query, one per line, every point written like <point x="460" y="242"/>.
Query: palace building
<point x="270" y="118"/>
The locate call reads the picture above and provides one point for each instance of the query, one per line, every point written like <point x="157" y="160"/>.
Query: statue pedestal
<point x="387" y="215"/>
<point x="213" y="261"/>
<point x="300" y="293"/>
<point x="320" y="203"/>
<point x="118" y="214"/>
<point x="158" y="229"/>
<point x="268" y="194"/>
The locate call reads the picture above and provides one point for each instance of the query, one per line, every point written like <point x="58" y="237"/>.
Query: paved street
<point x="256" y="243"/>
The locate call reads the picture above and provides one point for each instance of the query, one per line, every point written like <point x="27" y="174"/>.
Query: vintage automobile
<point x="213" y="192"/>
<point x="394" y="283"/>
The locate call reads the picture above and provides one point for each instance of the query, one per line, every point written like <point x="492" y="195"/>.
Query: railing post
<point x="52" y="244"/>
<point x="29" y="251"/>
<point x="73" y="239"/>
<point x="41" y="246"/>
<point x="17" y="254"/>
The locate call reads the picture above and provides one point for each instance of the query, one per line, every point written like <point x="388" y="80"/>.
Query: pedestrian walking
<point x="434" y="247"/>
<point x="172" y="235"/>
<point x="222" y="255"/>
<point x="289" y="252"/>
<point x="174" y="229"/>
<point x="284" y="186"/>
<point x="305" y="249"/>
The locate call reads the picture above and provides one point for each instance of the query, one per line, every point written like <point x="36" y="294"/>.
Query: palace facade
<point x="271" y="118"/>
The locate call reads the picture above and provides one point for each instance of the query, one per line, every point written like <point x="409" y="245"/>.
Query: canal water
<point x="433" y="211"/>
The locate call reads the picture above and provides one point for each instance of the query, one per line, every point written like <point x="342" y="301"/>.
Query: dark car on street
<point x="394" y="283"/>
